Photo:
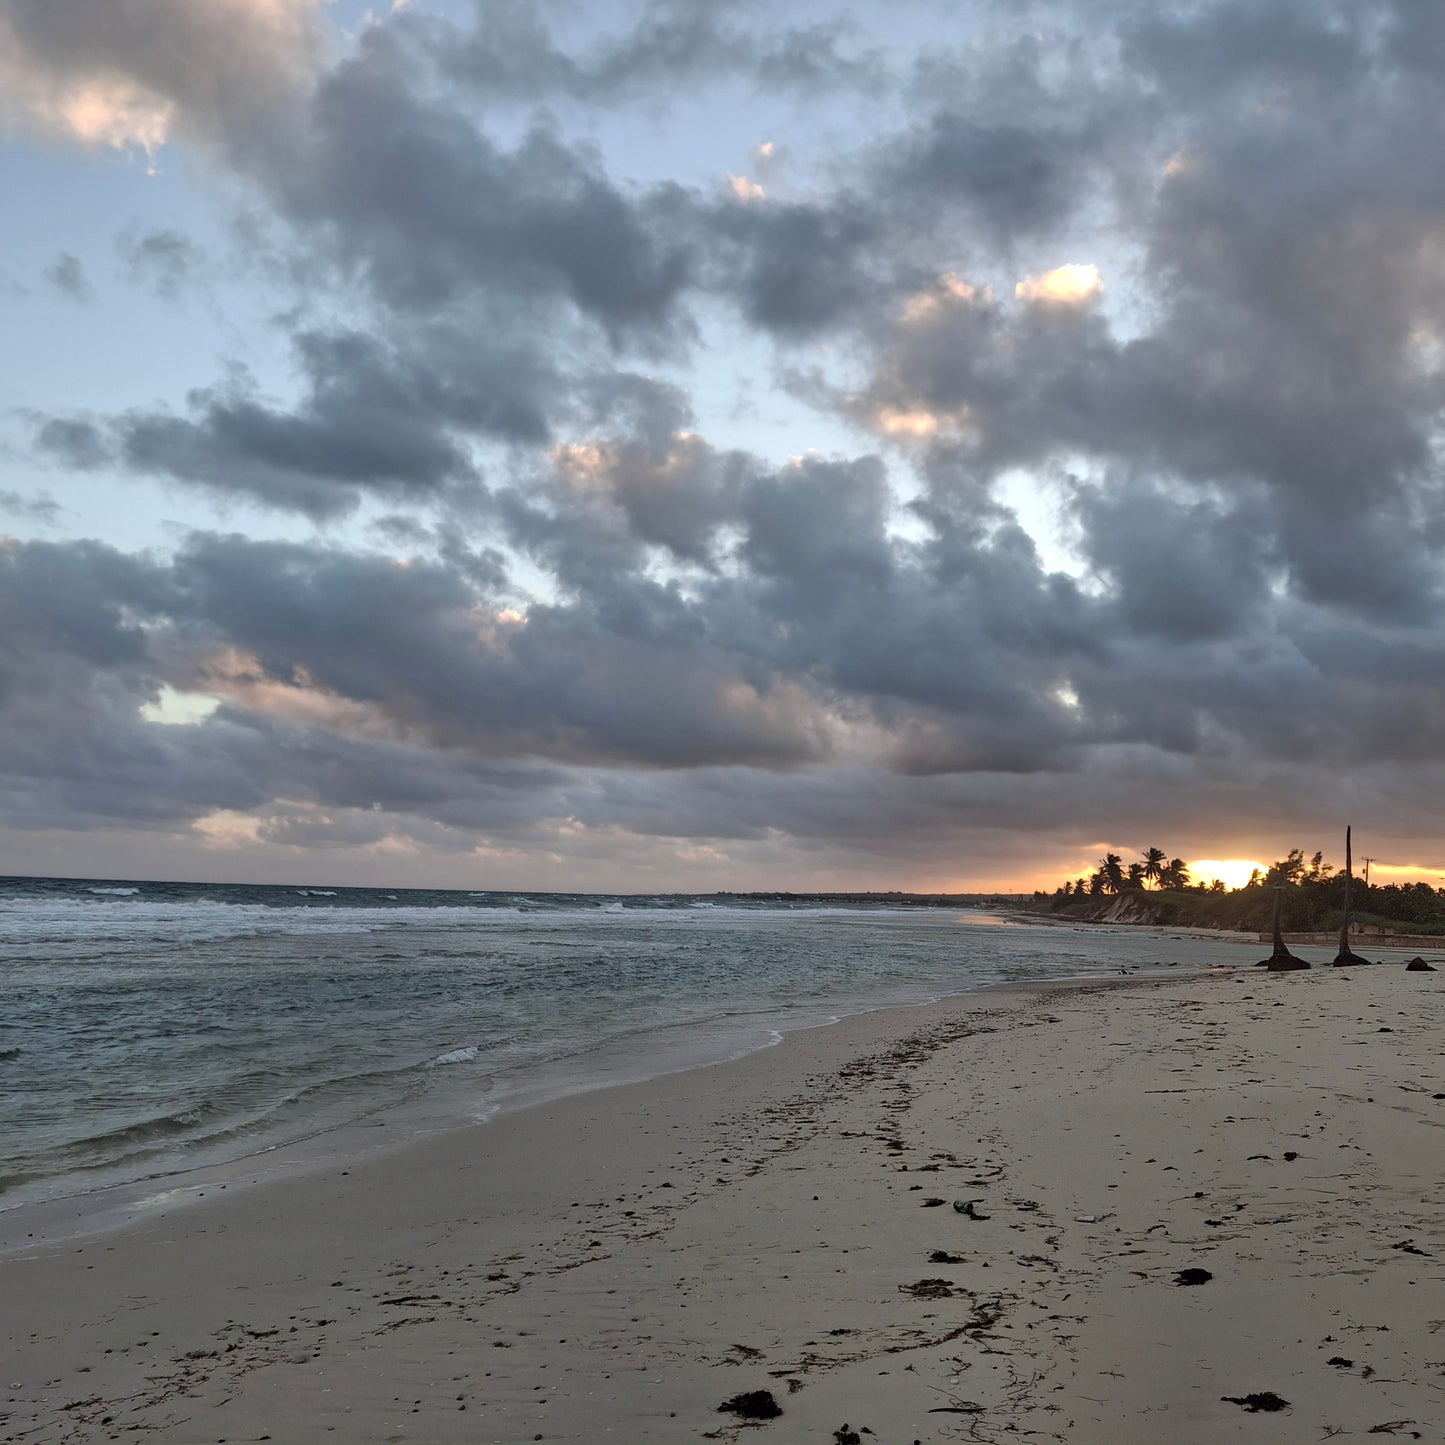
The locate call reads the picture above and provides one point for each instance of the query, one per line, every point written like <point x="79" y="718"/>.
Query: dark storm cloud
<point x="1181" y="570"/>
<point x="77" y="599"/>
<point x="435" y="660"/>
<point x="1200" y="54"/>
<point x="1241" y="426"/>
<point x="955" y="645"/>
<point x="1012" y="179"/>
<point x="647" y="481"/>
<point x="406" y="188"/>
<point x="796" y="268"/>
<point x="372" y="686"/>
<point x="391" y="420"/>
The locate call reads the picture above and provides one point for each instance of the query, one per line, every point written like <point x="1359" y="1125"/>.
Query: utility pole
<point x="1368" y="861"/>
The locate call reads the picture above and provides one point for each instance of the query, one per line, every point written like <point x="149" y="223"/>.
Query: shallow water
<point x="147" y="1028"/>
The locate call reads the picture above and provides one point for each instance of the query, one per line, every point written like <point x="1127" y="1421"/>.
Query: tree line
<point x="1113" y="875"/>
<point x="1312" y="893"/>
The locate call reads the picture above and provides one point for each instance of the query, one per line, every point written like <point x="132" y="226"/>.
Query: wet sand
<point x="617" y="1265"/>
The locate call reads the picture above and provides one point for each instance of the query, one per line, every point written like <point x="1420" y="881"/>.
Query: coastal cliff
<point x="1148" y="909"/>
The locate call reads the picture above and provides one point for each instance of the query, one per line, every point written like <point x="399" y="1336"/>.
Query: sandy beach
<point x="617" y="1265"/>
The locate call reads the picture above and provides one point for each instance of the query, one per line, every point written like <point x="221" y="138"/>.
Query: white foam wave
<point x="74" y="926"/>
<point x="116" y="892"/>
<point x="455" y="1056"/>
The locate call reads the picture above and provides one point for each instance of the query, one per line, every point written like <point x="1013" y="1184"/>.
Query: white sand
<point x="614" y="1266"/>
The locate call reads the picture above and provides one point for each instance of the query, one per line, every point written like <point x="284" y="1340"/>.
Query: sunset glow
<point x="1232" y="872"/>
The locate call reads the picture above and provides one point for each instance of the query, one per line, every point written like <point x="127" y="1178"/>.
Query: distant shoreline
<point x="890" y="897"/>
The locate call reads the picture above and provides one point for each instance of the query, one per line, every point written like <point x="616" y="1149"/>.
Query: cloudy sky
<point x="718" y="444"/>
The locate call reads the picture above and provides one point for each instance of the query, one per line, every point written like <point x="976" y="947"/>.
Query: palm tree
<point x="1154" y="863"/>
<point x="1289" y="869"/>
<point x="1136" y="875"/>
<point x="1174" y="874"/>
<point x="1111" y="867"/>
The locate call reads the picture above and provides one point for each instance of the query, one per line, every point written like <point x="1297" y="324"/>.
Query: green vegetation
<point x="1311" y="897"/>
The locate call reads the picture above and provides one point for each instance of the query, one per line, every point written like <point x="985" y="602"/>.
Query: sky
<point x="707" y="444"/>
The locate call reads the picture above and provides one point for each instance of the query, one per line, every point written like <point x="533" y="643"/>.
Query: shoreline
<point x="619" y="1263"/>
<point x="113" y="1207"/>
<point x="424" y="1077"/>
<point x="107" y="1207"/>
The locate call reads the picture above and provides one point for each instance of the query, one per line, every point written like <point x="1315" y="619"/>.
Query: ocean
<point x="149" y="1029"/>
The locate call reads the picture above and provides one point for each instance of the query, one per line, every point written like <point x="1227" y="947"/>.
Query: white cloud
<point x="1071" y="285"/>
<point x="179" y="708"/>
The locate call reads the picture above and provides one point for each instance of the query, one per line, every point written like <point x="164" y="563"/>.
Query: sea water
<point x="148" y="1029"/>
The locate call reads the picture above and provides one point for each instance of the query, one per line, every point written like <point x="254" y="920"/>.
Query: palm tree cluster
<point x="1311" y="895"/>
<point x="1113" y="875"/>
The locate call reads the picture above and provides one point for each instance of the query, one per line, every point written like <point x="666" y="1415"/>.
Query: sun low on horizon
<point x="1232" y="872"/>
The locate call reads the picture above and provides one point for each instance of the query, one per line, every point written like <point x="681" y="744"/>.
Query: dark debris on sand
<point x="752" y="1405"/>
<point x="929" y="1289"/>
<point x="1262" y="1401"/>
<point x="1193" y="1276"/>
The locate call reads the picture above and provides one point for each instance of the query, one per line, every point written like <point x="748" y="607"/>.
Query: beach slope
<point x="619" y="1265"/>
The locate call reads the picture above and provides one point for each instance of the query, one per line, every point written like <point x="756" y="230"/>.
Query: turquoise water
<point x="147" y="1029"/>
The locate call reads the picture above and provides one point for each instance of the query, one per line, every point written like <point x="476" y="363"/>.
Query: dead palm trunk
<point x="1281" y="960"/>
<point x="1346" y="955"/>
